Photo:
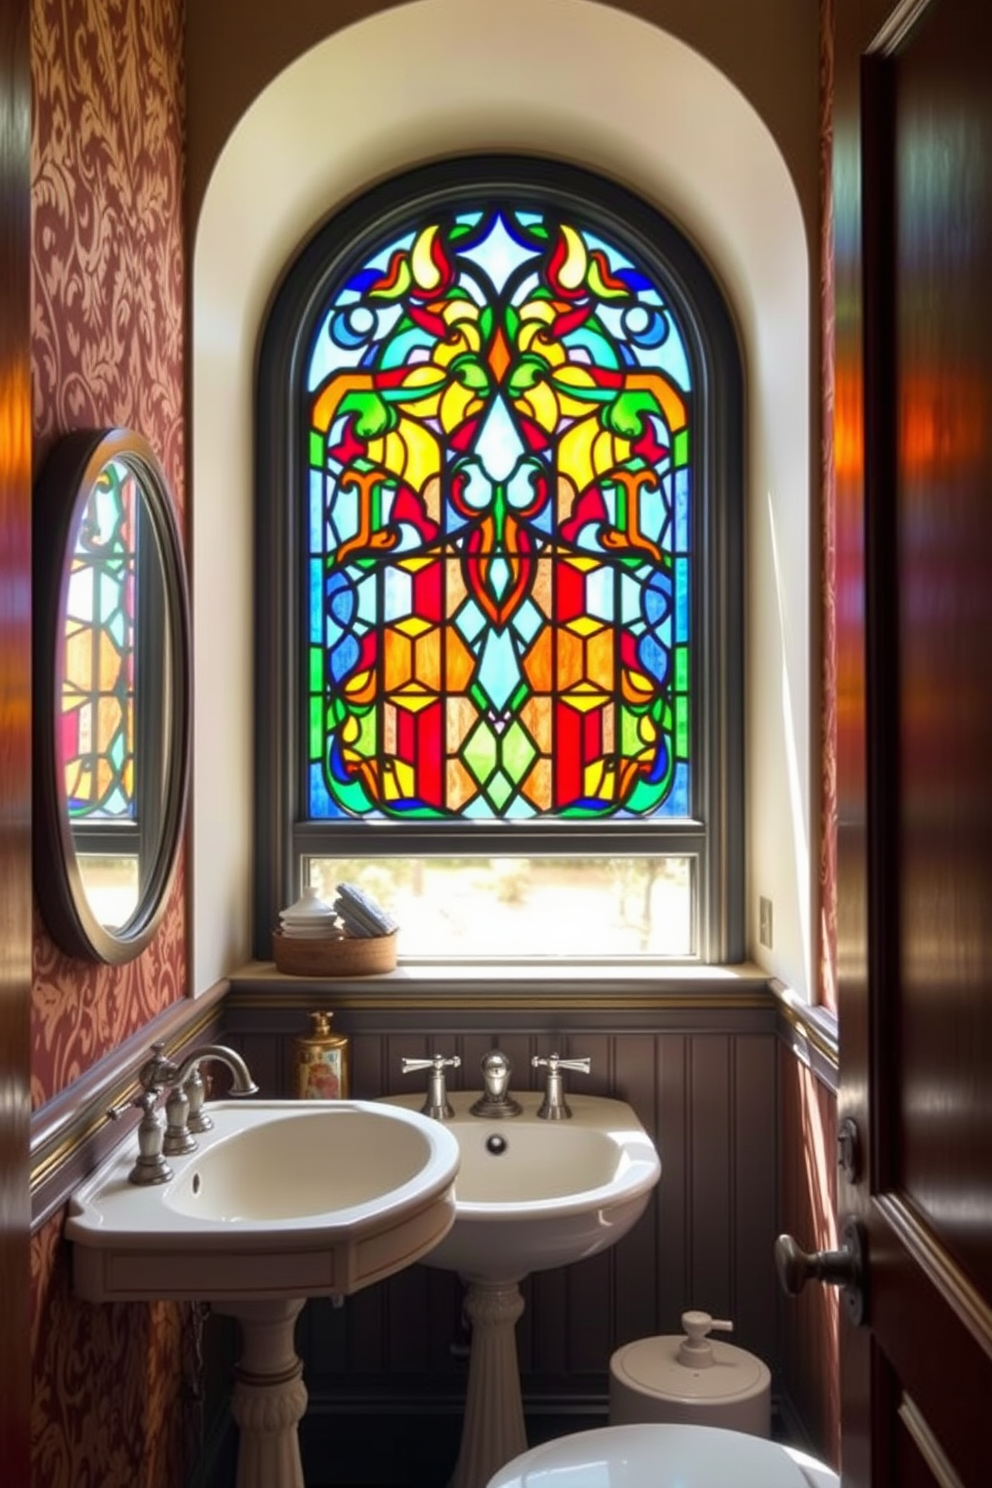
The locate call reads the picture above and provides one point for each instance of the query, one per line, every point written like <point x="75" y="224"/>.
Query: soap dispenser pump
<point x="696" y="1350"/>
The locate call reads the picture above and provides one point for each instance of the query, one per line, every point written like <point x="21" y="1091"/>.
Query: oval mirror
<point x="111" y="693"/>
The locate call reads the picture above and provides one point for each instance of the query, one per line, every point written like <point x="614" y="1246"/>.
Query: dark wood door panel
<point x="15" y="738"/>
<point x="942" y="102"/>
<point x="916" y="1014"/>
<point x="935" y="1333"/>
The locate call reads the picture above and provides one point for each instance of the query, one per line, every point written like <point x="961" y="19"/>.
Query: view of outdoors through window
<point x="525" y="906"/>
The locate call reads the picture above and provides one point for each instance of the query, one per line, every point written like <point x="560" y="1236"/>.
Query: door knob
<point x="844" y="1268"/>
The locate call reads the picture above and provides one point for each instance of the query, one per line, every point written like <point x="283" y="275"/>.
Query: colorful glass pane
<point x="499" y="523"/>
<point x="98" y="713"/>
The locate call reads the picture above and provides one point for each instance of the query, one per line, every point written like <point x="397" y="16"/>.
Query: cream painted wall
<point x="678" y="132"/>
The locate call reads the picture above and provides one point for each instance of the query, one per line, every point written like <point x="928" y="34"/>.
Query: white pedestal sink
<point x="530" y="1195"/>
<point x="283" y="1200"/>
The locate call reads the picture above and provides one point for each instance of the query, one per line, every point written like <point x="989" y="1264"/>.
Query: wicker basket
<point x="337" y="956"/>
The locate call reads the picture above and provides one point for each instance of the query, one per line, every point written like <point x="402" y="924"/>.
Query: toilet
<point x="663" y="1456"/>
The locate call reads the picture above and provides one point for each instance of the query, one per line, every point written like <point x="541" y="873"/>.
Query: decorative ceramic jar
<point x="321" y="1061"/>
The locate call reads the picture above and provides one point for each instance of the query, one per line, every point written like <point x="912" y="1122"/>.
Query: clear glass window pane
<point x="498" y="907"/>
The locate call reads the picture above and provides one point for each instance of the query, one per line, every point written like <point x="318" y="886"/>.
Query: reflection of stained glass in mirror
<point x="498" y="514"/>
<point x="97" y="721"/>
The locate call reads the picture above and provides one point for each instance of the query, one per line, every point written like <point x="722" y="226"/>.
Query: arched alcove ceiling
<point x="565" y="78"/>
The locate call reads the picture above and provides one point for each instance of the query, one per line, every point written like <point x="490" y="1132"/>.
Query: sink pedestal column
<point x="493" y="1429"/>
<point x="269" y="1396"/>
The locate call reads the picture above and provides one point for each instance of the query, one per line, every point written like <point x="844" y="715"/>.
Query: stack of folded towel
<point x="360" y="914"/>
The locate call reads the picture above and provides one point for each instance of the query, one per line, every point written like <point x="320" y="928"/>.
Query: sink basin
<point x="282" y="1199"/>
<point x="307" y="1161"/>
<point x="533" y="1194"/>
<point x="530" y="1194"/>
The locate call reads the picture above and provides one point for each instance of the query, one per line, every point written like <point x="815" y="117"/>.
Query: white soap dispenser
<point x="691" y="1379"/>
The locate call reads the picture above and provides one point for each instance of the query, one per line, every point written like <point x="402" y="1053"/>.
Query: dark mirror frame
<point x="61" y="493"/>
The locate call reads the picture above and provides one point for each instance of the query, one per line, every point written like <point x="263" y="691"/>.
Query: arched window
<point x="499" y="498"/>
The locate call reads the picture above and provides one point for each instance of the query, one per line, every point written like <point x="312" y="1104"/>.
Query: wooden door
<point x="913" y="205"/>
<point x="15" y="740"/>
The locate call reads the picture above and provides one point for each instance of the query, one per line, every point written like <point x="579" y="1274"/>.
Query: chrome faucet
<point x="554" y="1107"/>
<point x="184" y="1104"/>
<point x="437" y="1103"/>
<point x="183" y="1107"/>
<point x="496" y="1100"/>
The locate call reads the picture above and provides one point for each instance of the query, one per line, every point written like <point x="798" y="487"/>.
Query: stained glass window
<point x="499" y="554"/>
<point x="97" y="711"/>
<point x="499" y="517"/>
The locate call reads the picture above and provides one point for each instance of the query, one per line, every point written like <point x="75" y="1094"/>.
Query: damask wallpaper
<point x="108" y="282"/>
<point x="108" y="297"/>
<point x="110" y="1407"/>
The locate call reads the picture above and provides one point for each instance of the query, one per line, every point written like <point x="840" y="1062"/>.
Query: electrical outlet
<point x="765" y="922"/>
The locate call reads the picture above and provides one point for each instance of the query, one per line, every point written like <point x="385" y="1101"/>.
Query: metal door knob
<point x="844" y="1268"/>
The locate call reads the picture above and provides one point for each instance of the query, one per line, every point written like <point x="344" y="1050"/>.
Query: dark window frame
<point x="715" y="836"/>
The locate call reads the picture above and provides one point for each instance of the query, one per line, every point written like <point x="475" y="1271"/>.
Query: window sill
<point x="531" y="984"/>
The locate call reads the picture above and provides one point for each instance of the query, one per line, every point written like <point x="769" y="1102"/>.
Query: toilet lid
<point x="653" y="1456"/>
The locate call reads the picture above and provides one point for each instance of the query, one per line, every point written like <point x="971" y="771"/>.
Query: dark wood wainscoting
<point x="703" y="1080"/>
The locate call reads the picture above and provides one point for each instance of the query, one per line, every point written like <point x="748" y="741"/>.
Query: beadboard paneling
<point x="756" y="1158"/>
<point x="705" y="1084"/>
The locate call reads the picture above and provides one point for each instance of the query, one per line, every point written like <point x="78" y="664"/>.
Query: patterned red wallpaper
<point x="108" y="282"/>
<point x="808" y="1198"/>
<point x="108" y="1403"/>
<point x="108" y="306"/>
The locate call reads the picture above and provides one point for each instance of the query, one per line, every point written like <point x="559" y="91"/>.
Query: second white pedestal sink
<point x="530" y="1195"/>
<point x="283" y="1200"/>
